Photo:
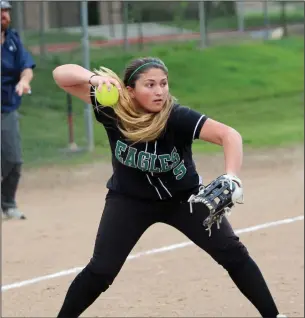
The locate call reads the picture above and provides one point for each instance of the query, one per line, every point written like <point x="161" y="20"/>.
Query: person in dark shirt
<point x="154" y="175"/>
<point x="16" y="74"/>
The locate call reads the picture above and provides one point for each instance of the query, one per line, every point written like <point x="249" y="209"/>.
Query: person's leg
<point x="123" y="222"/>
<point x="227" y="250"/>
<point x="9" y="184"/>
<point x="11" y="161"/>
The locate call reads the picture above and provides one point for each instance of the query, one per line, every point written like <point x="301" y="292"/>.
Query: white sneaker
<point x="13" y="213"/>
<point x="281" y="316"/>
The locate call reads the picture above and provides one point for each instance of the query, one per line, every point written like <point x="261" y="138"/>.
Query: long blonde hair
<point x="136" y="124"/>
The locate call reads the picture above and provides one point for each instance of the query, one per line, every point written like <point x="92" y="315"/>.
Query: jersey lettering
<point x="164" y="159"/>
<point x="175" y="158"/>
<point x="120" y="146"/>
<point x="180" y="171"/>
<point x="152" y="167"/>
<point x="143" y="160"/>
<point x="146" y="161"/>
<point x="130" y="160"/>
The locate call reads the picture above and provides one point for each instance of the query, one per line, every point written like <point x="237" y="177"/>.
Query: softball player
<point x="154" y="175"/>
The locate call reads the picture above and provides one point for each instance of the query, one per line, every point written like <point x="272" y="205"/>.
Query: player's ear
<point x="131" y="91"/>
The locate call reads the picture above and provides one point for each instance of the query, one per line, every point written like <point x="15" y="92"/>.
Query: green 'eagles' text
<point x="147" y="161"/>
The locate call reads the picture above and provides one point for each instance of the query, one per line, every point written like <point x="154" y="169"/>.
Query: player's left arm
<point x="220" y="203"/>
<point x="220" y="134"/>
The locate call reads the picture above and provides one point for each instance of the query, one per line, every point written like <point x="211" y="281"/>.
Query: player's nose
<point x="158" y="91"/>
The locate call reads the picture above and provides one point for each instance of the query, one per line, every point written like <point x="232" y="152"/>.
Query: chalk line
<point x="149" y="252"/>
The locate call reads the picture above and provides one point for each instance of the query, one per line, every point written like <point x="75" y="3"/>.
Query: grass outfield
<point x="256" y="87"/>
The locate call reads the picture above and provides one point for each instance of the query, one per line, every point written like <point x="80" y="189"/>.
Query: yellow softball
<point x="105" y="97"/>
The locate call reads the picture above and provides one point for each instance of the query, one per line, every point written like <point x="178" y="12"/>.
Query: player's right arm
<point x="76" y="80"/>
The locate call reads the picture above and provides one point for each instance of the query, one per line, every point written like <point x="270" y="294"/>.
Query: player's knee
<point x="99" y="281"/>
<point x="15" y="172"/>
<point x="103" y="277"/>
<point x="233" y="257"/>
<point x="104" y="281"/>
<point x="17" y="168"/>
<point x="10" y="168"/>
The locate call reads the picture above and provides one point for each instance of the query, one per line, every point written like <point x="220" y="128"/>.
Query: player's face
<point x="151" y="90"/>
<point x="5" y="19"/>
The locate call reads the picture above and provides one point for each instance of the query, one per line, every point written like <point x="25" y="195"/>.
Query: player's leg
<point x="123" y="222"/>
<point x="227" y="250"/>
<point x="11" y="162"/>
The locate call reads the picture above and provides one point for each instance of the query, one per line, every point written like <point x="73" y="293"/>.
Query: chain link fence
<point x="53" y="31"/>
<point x="135" y="24"/>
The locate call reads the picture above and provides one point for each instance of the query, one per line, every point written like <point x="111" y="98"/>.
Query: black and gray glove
<point x="219" y="197"/>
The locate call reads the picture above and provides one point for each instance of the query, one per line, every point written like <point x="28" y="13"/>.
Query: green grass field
<point x="257" y="87"/>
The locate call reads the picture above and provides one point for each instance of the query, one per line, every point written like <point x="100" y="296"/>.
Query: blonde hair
<point x="136" y="124"/>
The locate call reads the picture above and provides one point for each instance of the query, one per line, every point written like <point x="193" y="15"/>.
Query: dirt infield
<point x="64" y="206"/>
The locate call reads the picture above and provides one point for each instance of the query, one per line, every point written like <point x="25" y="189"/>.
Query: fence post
<point x="42" y="48"/>
<point x="284" y="18"/>
<point x="86" y="64"/>
<point x="266" y="20"/>
<point x="125" y="24"/>
<point x="19" y="17"/>
<point x="72" y="144"/>
<point x="202" y="25"/>
<point x="240" y="16"/>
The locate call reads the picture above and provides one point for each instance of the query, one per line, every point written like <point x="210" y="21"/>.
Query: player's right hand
<point x="23" y="87"/>
<point x="98" y="81"/>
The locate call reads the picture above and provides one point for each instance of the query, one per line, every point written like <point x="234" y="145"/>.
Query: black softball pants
<point x="123" y="222"/>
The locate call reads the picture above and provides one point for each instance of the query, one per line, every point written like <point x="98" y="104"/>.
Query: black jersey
<point x="158" y="170"/>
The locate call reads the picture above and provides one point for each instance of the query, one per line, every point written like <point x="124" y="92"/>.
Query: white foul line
<point x="149" y="252"/>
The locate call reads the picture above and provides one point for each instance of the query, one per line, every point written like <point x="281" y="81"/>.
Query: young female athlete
<point x="154" y="175"/>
